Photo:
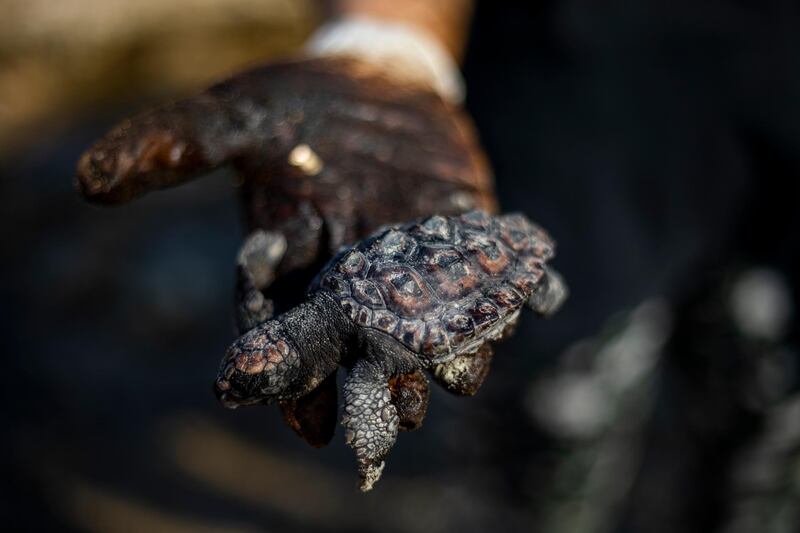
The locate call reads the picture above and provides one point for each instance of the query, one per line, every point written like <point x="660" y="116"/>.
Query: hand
<point x="328" y="149"/>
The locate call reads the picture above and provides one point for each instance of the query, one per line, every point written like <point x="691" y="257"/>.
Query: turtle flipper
<point x="313" y="416"/>
<point x="409" y="395"/>
<point x="548" y="297"/>
<point x="258" y="260"/>
<point x="370" y="419"/>
<point x="464" y="374"/>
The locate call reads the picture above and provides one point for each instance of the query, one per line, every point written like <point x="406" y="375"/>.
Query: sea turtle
<point x="426" y="295"/>
<point x="327" y="151"/>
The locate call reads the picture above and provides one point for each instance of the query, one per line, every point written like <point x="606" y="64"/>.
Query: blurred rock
<point x="761" y="304"/>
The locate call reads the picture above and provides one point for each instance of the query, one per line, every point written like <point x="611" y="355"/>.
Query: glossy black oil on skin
<point x="327" y="151"/>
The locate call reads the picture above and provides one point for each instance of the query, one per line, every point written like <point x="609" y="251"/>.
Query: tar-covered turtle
<point x="327" y="151"/>
<point x="426" y="295"/>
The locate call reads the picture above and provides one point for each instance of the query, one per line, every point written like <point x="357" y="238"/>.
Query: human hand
<point x="328" y="149"/>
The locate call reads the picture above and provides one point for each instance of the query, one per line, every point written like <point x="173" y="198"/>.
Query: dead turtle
<point x="327" y="151"/>
<point x="426" y="295"/>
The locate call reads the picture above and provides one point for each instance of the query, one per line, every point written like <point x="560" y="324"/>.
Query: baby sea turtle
<point x="428" y="295"/>
<point x="327" y="150"/>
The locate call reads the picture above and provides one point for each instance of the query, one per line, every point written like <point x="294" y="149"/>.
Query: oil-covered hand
<point x="328" y="149"/>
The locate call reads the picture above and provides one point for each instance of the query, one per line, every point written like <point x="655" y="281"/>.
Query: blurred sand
<point x="60" y="58"/>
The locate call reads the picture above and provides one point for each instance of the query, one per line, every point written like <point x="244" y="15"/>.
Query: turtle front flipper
<point x="313" y="416"/>
<point x="548" y="296"/>
<point x="464" y="374"/>
<point x="370" y="420"/>
<point x="256" y="267"/>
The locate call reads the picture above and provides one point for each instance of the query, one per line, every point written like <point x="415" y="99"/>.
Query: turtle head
<point x="258" y="367"/>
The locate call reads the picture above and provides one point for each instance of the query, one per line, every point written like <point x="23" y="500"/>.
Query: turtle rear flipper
<point x="464" y="374"/>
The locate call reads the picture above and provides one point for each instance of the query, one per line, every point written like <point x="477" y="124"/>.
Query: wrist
<point x="403" y="51"/>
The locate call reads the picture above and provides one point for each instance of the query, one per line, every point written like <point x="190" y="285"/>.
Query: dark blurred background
<point x="658" y="141"/>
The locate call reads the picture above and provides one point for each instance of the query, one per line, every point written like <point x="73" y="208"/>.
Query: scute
<point x="492" y="255"/>
<point x="410" y="333"/>
<point x="442" y="285"/>
<point x="394" y="245"/>
<point x="450" y="274"/>
<point x="350" y="307"/>
<point x="352" y="264"/>
<point x="436" y="228"/>
<point x="505" y="297"/>
<point x="459" y="326"/>
<point x="484" y="314"/>
<point x="439" y="257"/>
<point x="516" y="231"/>
<point x="476" y="219"/>
<point x="367" y="293"/>
<point x="385" y="321"/>
<point x="364" y="316"/>
<point x="404" y="290"/>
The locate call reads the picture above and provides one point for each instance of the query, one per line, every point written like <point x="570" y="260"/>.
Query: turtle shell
<point x="443" y="285"/>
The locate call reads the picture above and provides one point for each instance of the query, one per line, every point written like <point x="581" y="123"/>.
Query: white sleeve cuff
<point x="402" y="49"/>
